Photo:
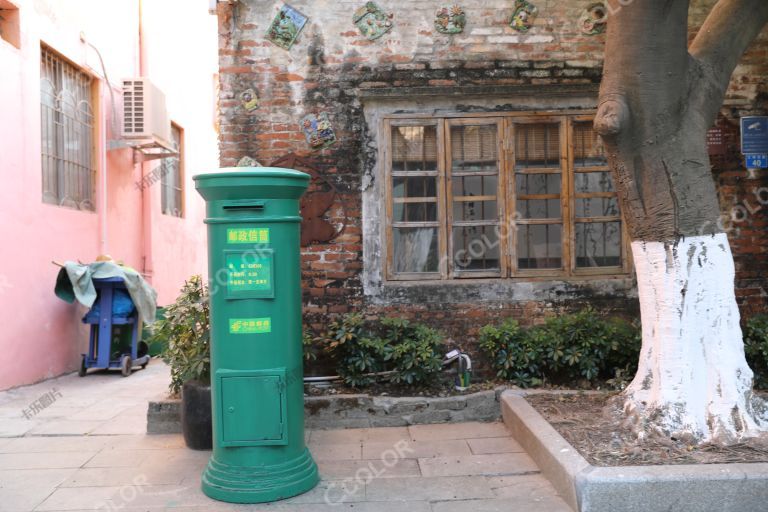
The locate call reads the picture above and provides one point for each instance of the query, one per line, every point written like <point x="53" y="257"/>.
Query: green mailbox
<point x="253" y="220"/>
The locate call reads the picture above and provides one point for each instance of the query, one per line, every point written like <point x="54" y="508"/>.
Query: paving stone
<point x="349" y="451"/>
<point x="39" y="444"/>
<point x="491" y="464"/>
<point x="11" y="427"/>
<point x="45" y="460"/>
<point x="418" y="449"/>
<point x="546" y="504"/>
<point x="65" y="428"/>
<point x="78" y="498"/>
<point x="430" y="489"/>
<point x="533" y="486"/>
<point x="23" y="490"/>
<point x="494" y="445"/>
<point x="472" y="430"/>
<point x="122" y="476"/>
<point x="143" y="442"/>
<point x="118" y="459"/>
<point x="391" y="434"/>
<point x="118" y="467"/>
<point x="343" y="469"/>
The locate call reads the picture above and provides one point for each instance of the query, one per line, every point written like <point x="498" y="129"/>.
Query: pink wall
<point x="41" y="336"/>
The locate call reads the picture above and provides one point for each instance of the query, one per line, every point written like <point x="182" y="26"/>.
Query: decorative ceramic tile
<point x="594" y="18"/>
<point x="286" y="26"/>
<point x="248" y="161"/>
<point x="249" y="99"/>
<point x="318" y="130"/>
<point x="450" y="20"/>
<point x="372" y="21"/>
<point x="524" y="16"/>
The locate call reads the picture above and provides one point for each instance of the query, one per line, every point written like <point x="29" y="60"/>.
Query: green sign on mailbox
<point x="253" y="220"/>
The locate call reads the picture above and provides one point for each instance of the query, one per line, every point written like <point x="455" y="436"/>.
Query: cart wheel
<point x="126" y="365"/>
<point x="83" y="370"/>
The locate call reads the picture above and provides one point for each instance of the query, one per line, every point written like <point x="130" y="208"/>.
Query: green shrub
<point x="186" y="328"/>
<point x="356" y="350"/>
<point x="408" y="352"/>
<point x="565" y="349"/>
<point x="756" y="348"/>
<point x="414" y="350"/>
<point x="514" y="353"/>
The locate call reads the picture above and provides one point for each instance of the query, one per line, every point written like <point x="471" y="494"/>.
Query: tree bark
<point x="657" y="102"/>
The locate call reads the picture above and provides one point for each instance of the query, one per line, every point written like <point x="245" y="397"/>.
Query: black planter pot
<point x="196" y="422"/>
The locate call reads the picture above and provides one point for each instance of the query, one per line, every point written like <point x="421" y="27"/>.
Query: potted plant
<point x="185" y="329"/>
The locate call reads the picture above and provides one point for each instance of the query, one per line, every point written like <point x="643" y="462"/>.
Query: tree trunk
<point x="657" y="101"/>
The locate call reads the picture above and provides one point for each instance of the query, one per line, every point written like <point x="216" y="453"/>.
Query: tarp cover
<point x="75" y="281"/>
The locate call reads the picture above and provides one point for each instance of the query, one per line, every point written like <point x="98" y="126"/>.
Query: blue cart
<point x="103" y="351"/>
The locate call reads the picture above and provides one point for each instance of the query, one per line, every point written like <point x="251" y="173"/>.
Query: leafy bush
<point x="186" y="327"/>
<point x="566" y="348"/>
<point x="756" y="348"/>
<point x="357" y="352"/>
<point x="514" y="353"/>
<point x="407" y="352"/>
<point x="414" y="350"/>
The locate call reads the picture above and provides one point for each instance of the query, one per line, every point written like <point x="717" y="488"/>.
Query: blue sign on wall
<point x="757" y="161"/>
<point x="754" y="135"/>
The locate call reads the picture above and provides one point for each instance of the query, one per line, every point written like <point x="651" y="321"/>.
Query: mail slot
<point x="259" y="453"/>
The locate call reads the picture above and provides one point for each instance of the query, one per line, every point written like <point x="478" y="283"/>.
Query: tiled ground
<point x="87" y="451"/>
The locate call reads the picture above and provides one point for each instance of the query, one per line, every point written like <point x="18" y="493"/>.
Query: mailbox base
<point x="248" y="484"/>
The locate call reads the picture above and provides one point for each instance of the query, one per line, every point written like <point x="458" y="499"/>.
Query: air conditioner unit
<point x="145" y="118"/>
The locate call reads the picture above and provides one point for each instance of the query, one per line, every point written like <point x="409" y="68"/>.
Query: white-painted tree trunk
<point x="693" y="381"/>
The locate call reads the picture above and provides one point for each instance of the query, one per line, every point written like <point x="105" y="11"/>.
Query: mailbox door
<point x="252" y="411"/>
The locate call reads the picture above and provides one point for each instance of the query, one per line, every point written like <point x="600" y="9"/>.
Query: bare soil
<point x="594" y="428"/>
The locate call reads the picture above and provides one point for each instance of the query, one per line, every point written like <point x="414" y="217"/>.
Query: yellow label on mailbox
<point x="250" y="325"/>
<point x="248" y="235"/>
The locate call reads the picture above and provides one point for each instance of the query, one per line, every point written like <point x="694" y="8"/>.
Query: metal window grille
<point x="171" y="184"/>
<point x="67" y="134"/>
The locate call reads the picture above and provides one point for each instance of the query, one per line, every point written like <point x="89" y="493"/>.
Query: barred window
<point x="512" y="195"/>
<point x="67" y="133"/>
<point x="172" y="175"/>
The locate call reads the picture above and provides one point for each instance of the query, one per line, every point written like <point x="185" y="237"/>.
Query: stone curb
<point x="361" y="411"/>
<point x="587" y="488"/>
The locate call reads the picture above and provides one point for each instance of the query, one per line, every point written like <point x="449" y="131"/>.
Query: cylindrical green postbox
<point x="253" y="222"/>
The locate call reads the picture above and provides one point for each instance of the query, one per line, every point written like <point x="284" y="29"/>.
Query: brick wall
<point x="331" y="68"/>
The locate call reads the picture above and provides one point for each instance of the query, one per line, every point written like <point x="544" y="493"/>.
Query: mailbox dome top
<point x="252" y="183"/>
<point x="253" y="172"/>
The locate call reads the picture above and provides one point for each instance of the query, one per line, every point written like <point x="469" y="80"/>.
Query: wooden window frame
<point x="165" y="188"/>
<point x="506" y="199"/>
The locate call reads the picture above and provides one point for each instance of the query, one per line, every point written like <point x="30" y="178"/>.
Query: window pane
<point x="415" y="249"/>
<point x="587" y="182"/>
<point x="476" y="248"/>
<point x="474" y="148"/>
<point x="539" y="246"/>
<point x="597" y="207"/>
<point x="475" y="210"/>
<point x="170" y="172"/>
<point x="464" y="186"/>
<point x="67" y="146"/>
<point x="419" y="186"/>
<point x="587" y="146"/>
<point x="598" y="244"/>
<point x="414" y="148"/>
<point x="537" y="146"/>
<point x="539" y="208"/>
<point x="414" y="212"/>
<point x="529" y="184"/>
